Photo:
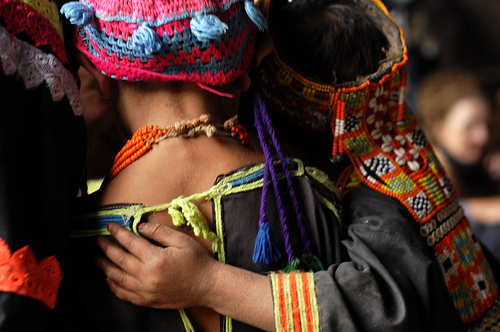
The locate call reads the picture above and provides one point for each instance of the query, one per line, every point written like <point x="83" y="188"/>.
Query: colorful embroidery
<point x="461" y="260"/>
<point x="21" y="274"/>
<point x="295" y="305"/>
<point x="373" y="126"/>
<point x="284" y="87"/>
<point x="394" y="158"/>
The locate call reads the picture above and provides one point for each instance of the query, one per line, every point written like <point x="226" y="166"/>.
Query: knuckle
<point x="121" y="261"/>
<point x="128" y="240"/>
<point x="149" y="298"/>
<point x="128" y="297"/>
<point x="121" y="279"/>
<point x="103" y="244"/>
<point x="153" y="282"/>
<point x="154" y="261"/>
<point x="155" y="229"/>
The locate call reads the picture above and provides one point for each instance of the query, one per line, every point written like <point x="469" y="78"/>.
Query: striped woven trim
<point x="295" y="304"/>
<point x="95" y="222"/>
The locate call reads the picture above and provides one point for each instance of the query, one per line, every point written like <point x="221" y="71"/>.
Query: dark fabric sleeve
<point x="43" y="149"/>
<point x="388" y="279"/>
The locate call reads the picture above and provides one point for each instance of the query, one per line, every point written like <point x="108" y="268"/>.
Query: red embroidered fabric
<point x="21" y="274"/>
<point x="20" y="17"/>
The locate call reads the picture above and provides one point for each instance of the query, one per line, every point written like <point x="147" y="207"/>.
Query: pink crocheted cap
<point x="203" y="41"/>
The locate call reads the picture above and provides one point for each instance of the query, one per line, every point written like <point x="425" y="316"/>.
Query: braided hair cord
<point x="266" y="132"/>
<point x="269" y="170"/>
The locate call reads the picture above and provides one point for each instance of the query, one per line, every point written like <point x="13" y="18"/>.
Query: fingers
<point x="161" y="234"/>
<point x="127" y="295"/>
<point x="122" y="260"/>
<point x="116" y="275"/>
<point x="137" y="246"/>
<point x="165" y="235"/>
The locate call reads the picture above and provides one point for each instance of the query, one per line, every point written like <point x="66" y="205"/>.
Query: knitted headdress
<point x="203" y="41"/>
<point x="373" y="126"/>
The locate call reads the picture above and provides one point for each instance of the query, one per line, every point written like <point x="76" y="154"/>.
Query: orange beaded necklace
<point x="143" y="139"/>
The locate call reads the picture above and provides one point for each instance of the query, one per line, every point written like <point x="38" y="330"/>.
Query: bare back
<point x="175" y="167"/>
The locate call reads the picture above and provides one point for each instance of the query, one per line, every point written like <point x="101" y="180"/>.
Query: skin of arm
<point x="162" y="276"/>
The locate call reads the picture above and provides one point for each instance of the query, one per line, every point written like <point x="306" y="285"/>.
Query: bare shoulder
<point x="177" y="168"/>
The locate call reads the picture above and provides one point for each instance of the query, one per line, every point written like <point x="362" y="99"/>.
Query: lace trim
<point x="36" y="67"/>
<point x="37" y="22"/>
<point x="21" y="274"/>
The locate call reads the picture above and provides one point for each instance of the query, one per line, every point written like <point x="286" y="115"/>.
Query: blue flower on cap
<point x="207" y="27"/>
<point x="78" y="13"/>
<point x="255" y="15"/>
<point x="146" y="40"/>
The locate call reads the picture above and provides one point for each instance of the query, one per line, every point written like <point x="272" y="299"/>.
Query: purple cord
<point x="265" y="189"/>
<point x="264" y="118"/>
<point x="269" y="167"/>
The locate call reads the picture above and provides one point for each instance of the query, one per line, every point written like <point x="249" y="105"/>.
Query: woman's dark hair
<point x="333" y="41"/>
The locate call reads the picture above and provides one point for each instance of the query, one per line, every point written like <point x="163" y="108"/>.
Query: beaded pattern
<point x="284" y="94"/>
<point x="180" y="55"/>
<point x="372" y="124"/>
<point x="394" y="158"/>
<point x="143" y="139"/>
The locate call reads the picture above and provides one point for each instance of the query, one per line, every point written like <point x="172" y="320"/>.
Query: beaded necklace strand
<point x="143" y="139"/>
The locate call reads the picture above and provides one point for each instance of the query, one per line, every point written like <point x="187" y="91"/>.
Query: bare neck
<point x="164" y="104"/>
<point x="174" y="166"/>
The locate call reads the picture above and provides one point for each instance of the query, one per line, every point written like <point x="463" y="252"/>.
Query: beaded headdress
<point x="204" y="41"/>
<point x="372" y="124"/>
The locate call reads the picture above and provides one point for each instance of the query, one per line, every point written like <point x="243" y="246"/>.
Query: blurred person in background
<point x="457" y="116"/>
